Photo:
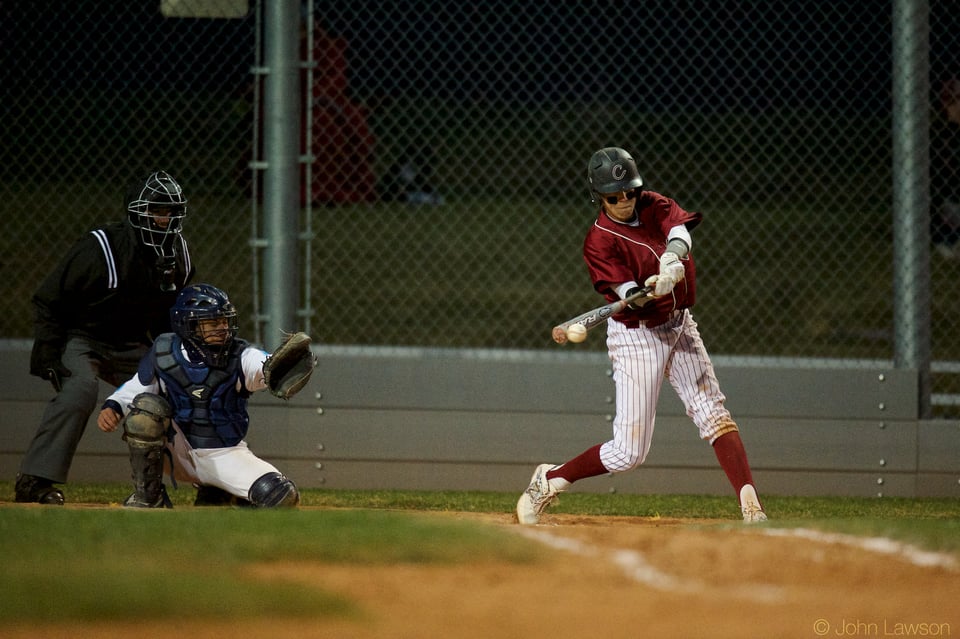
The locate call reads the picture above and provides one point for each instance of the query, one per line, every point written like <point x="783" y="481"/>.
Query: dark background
<point x="743" y="55"/>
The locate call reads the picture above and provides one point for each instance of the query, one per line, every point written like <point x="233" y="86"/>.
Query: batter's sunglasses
<point x="613" y="199"/>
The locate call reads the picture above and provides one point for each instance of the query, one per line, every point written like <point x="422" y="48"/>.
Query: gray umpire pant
<point x="65" y="418"/>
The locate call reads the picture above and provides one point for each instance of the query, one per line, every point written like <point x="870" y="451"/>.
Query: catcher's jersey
<point x="618" y="252"/>
<point x="210" y="409"/>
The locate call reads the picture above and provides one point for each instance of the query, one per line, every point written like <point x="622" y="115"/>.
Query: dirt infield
<point x="618" y="577"/>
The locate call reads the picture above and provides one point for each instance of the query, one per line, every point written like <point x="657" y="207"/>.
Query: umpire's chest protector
<point x="207" y="405"/>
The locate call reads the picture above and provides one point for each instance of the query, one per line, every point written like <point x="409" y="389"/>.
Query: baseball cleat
<point x="40" y="490"/>
<point x="536" y="497"/>
<point x="142" y="500"/>
<point x="750" y="505"/>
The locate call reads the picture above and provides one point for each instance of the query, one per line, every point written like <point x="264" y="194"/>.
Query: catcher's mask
<point x="612" y="170"/>
<point x="157" y="209"/>
<point x="196" y="303"/>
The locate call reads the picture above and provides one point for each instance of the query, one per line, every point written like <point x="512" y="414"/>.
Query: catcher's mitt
<point x="288" y="369"/>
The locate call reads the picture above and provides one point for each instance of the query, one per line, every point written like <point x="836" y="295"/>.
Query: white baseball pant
<point x="234" y="469"/>
<point x="641" y="358"/>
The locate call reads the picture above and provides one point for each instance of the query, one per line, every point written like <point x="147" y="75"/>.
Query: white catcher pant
<point x="642" y="357"/>
<point x="234" y="469"/>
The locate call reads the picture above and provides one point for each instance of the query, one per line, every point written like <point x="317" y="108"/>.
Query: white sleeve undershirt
<point x="625" y="287"/>
<point x="679" y="232"/>
<point x="251" y="361"/>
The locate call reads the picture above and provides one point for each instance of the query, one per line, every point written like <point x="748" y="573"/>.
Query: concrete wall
<point x="481" y="420"/>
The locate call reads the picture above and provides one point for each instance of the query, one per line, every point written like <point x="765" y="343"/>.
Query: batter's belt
<point x="652" y="321"/>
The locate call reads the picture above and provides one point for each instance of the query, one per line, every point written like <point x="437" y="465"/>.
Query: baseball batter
<point x="642" y="238"/>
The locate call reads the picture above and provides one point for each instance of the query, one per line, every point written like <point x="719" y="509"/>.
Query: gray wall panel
<point x="452" y="380"/>
<point x="845" y="484"/>
<point x="454" y="420"/>
<point x="828" y="393"/>
<point x="939" y="484"/>
<point x="97" y="467"/>
<point x="939" y="447"/>
<point x="798" y="444"/>
<point x="442" y="436"/>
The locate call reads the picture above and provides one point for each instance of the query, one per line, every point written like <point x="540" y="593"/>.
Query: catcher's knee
<point x="144" y="428"/>
<point x="274" y="490"/>
<point x="147" y="422"/>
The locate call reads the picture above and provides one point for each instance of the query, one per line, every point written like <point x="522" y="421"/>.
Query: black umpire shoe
<point x="40" y="490"/>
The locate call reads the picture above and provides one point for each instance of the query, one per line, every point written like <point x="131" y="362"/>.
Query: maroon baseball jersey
<point x="617" y="252"/>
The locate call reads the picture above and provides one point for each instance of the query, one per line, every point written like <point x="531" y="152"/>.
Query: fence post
<point x="281" y="181"/>
<point x="911" y="199"/>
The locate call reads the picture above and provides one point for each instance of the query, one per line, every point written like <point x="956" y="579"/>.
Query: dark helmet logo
<point x="618" y="172"/>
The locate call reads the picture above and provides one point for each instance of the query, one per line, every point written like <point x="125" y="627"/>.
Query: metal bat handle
<point x="593" y="318"/>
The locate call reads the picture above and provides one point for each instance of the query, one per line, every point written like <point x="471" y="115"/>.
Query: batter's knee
<point x="274" y="490"/>
<point x="620" y="460"/>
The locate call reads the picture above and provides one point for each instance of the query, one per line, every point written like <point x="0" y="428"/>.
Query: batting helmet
<point x="203" y="302"/>
<point x="612" y="170"/>
<point x="156" y="209"/>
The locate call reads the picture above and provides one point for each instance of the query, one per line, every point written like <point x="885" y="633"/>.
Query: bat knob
<point x="559" y="335"/>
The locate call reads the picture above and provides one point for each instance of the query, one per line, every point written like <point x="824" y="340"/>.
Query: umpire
<point x="95" y="316"/>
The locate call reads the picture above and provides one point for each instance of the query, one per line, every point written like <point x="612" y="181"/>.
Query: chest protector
<point x="207" y="406"/>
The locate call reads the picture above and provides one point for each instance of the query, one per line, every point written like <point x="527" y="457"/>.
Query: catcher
<point x="188" y="401"/>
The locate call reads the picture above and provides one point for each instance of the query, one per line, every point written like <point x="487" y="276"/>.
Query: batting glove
<point x="671" y="272"/>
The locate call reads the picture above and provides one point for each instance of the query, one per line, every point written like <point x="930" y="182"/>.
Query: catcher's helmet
<point x="612" y="170"/>
<point x="203" y="302"/>
<point x="156" y="209"/>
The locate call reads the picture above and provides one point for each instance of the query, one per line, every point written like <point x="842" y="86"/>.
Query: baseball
<point x="576" y="333"/>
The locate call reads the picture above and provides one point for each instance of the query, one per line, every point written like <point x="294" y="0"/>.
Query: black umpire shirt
<point x="108" y="288"/>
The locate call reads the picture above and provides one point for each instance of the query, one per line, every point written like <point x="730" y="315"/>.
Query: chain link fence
<point x="446" y="198"/>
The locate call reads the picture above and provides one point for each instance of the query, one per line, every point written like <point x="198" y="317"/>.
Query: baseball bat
<point x="593" y="318"/>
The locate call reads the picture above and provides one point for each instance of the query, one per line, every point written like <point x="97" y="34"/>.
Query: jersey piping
<point x="186" y="259"/>
<point x="623" y="237"/>
<point x="112" y="280"/>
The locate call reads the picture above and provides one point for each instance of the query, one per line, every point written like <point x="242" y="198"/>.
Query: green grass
<point x="174" y="563"/>
<point x="193" y="563"/>
<point x="682" y="506"/>
<point x="930" y="522"/>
